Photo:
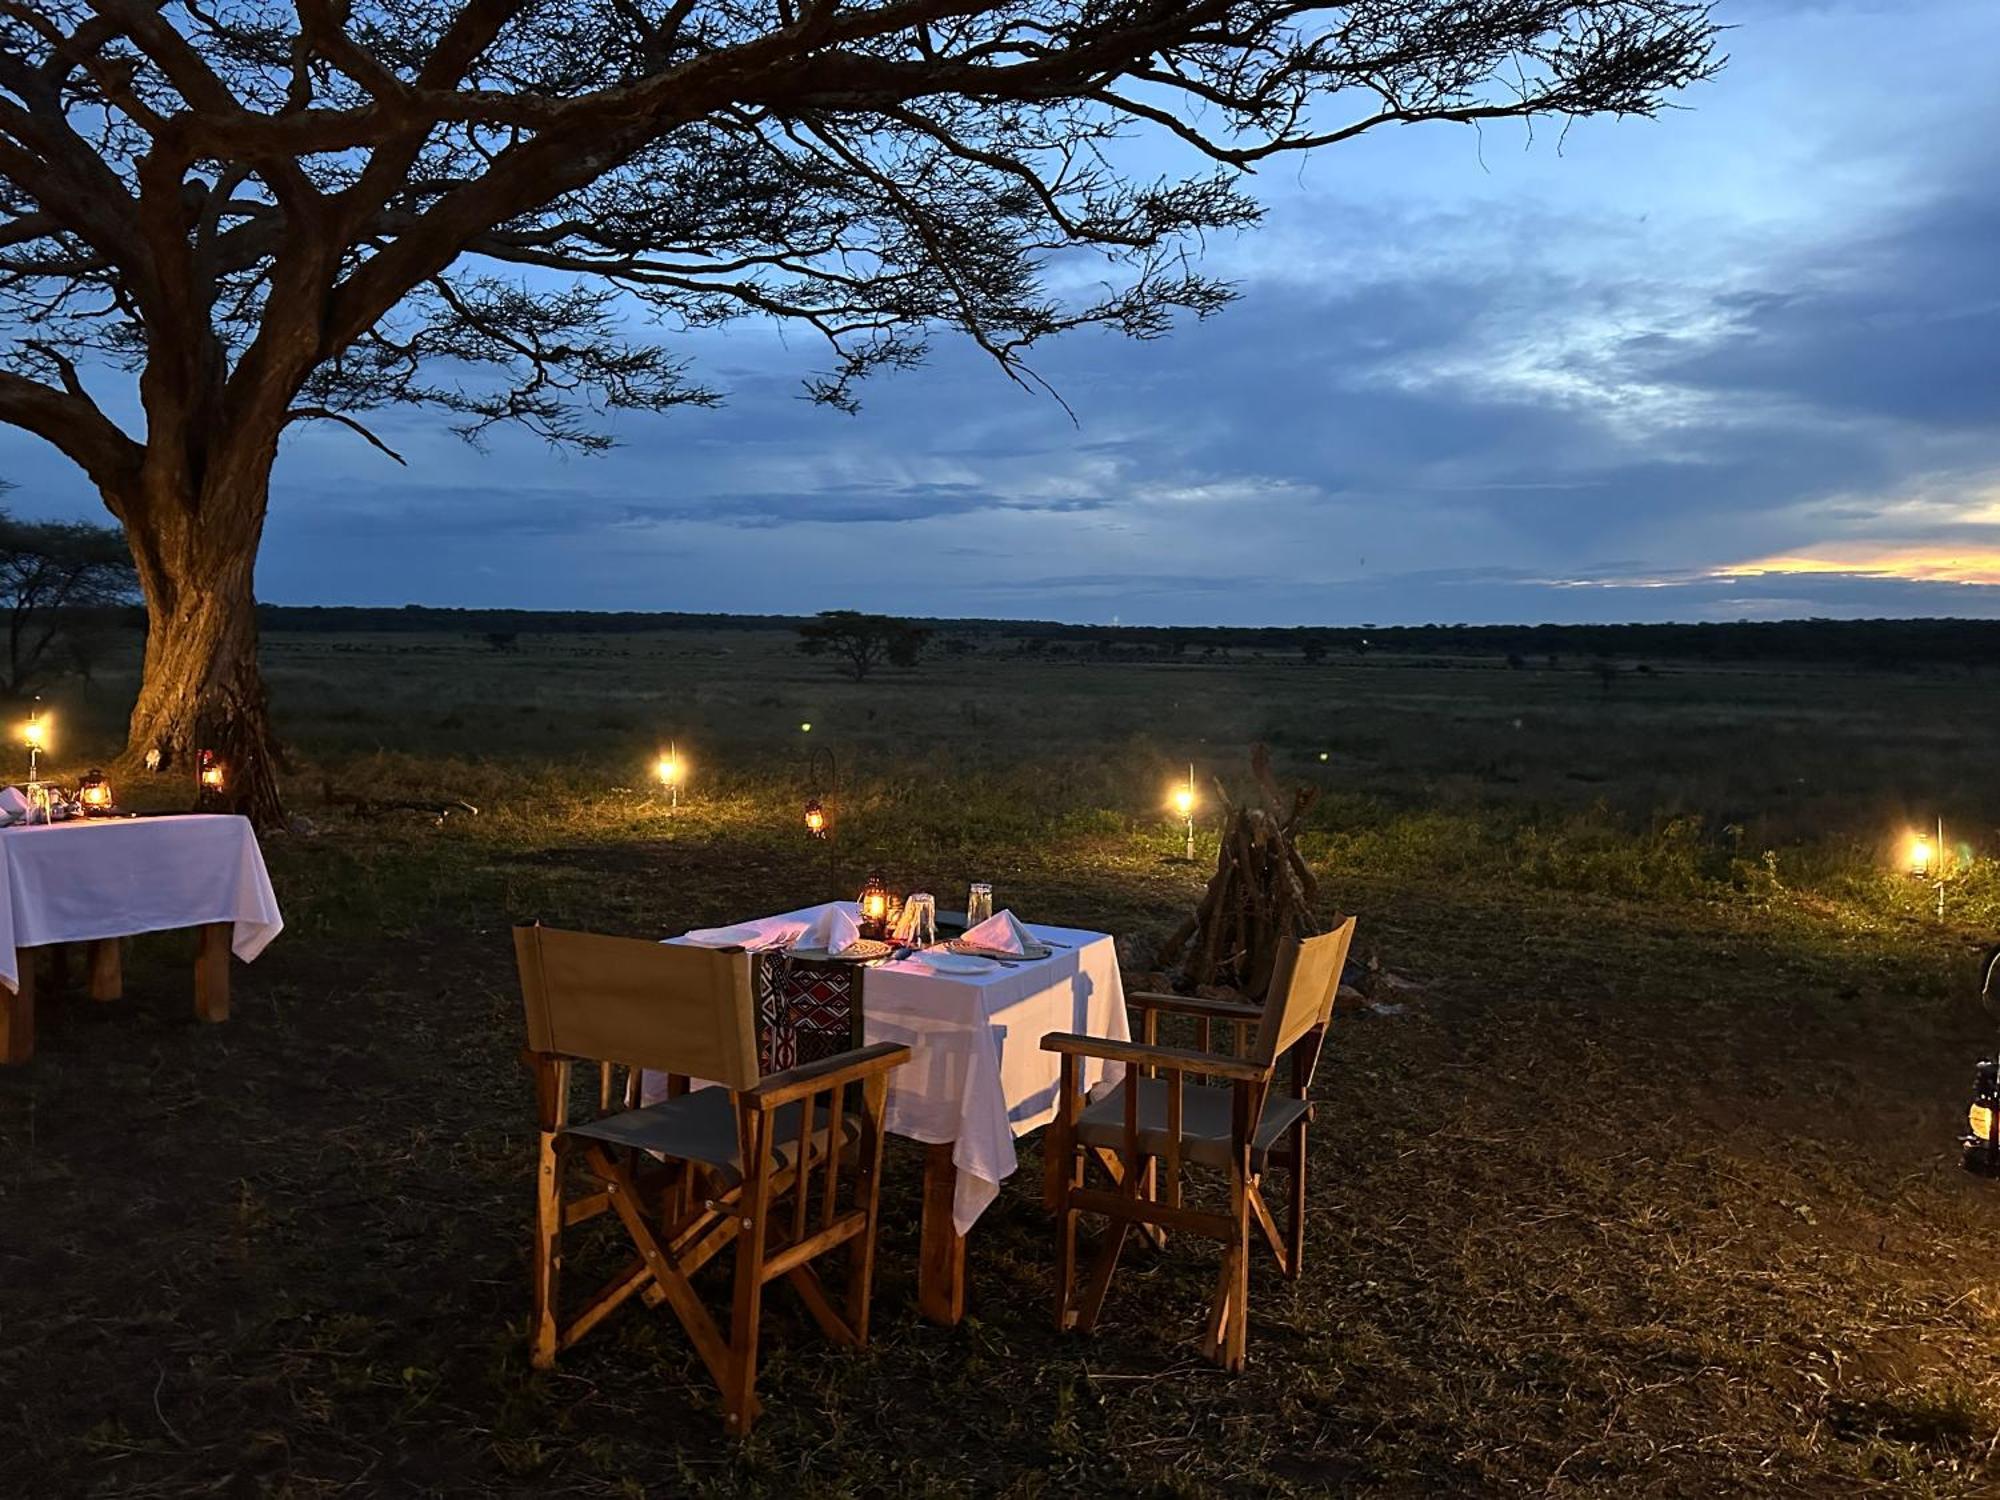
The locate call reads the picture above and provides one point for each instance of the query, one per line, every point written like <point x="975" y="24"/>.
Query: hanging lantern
<point x="874" y="908"/>
<point x="1982" y="1139"/>
<point x="1920" y="854"/>
<point x="93" y="795"/>
<point x="816" y="824"/>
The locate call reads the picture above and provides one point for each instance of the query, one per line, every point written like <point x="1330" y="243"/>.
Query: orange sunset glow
<point x="1928" y="563"/>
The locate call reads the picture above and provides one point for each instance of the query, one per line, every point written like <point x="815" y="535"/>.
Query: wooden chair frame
<point x="681" y="1213"/>
<point x="1290" y="1026"/>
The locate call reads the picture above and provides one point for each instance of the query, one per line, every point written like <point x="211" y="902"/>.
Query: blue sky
<point x="1736" y="362"/>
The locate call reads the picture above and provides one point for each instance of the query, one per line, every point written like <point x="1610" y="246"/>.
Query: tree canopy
<point x="270" y="213"/>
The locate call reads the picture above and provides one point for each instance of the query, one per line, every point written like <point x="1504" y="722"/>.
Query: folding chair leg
<point x="1218" y="1310"/>
<point x="1100" y="1277"/>
<point x="739" y="1385"/>
<point x="1234" y="1353"/>
<point x="1065" y="1264"/>
<point x="548" y="1253"/>
<point x="1295" y="1259"/>
<point x="868" y="1195"/>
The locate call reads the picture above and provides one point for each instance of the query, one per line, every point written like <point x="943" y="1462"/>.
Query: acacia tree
<point x="57" y="578"/>
<point x="861" y="642"/>
<point x="265" y="213"/>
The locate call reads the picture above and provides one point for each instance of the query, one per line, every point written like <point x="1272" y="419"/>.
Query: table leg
<point x="105" y="964"/>
<point x="17" y="1012"/>
<point x="941" y="1261"/>
<point x="211" y="972"/>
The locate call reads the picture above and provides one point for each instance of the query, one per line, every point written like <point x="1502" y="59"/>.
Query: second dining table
<point x="977" y="1079"/>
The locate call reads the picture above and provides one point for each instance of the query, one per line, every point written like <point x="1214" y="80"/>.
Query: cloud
<point x="1743" y="354"/>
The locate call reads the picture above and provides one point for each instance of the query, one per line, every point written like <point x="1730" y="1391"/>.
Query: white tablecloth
<point x="977" y="1074"/>
<point x="113" y="877"/>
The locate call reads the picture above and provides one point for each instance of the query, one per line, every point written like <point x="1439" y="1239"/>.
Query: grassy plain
<point x="1638" y="1172"/>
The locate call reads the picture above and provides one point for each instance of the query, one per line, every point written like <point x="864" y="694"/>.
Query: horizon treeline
<point x="1876" y="641"/>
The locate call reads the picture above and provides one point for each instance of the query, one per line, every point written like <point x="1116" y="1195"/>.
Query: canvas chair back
<point x="666" y="1006"/>
<point x="1303" y="986"/>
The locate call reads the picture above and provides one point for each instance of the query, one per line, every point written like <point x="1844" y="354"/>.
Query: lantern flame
<point x="36" y="732"/>
<point x="669" y="769"/>
<point x="1184" y="801"/>
<point x="1920" y="856"/>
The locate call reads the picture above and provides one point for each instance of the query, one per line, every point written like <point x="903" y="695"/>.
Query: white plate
<point x="958" y="963"/>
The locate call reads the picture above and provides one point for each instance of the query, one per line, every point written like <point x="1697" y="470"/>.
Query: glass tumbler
<point x="978" y="903"/>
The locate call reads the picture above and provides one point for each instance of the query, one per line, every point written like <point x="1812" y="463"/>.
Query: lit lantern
<point x="671" y="770"/>
<point x="874" y="908"/>
<point x="1183" y="801"/>
<point x="210" y="779"/>
<point x="35" y="735"/>
<point x="93" y="794"/>
<point x="1921" y="855"/>
<point x="1982" y="1139"/>
<point x="815" y="818"/>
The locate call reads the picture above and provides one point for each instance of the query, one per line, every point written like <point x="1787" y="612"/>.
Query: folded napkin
<point x="13" y="805"/>
<point x="746" y="937"/>
<point x="836" y="931"/>
<point x="1001" y="932"/>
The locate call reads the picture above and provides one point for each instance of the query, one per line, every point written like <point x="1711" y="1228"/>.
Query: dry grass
<point x="1648" y="1186"/>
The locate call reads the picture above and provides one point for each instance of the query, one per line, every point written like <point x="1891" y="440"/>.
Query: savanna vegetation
<point x="1636" y="1164"/>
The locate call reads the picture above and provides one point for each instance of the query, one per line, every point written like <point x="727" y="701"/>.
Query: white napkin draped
<point x="1002" y="933"/>
<point x="748" y="939"/>
<point x="835" y="931"/>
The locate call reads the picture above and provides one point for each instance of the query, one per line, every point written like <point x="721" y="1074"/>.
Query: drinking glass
<point x="919" y="925"/>
<point x="978" y="903"/>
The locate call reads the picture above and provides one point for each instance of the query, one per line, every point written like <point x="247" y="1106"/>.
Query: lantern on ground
<point x="1183" y="804"/>
<point x="874" y="900"/>
<point x="1982" y="1139"/>
<point x="671" y="771"/>
<point x="211" y="779"/>
<point x="93" y="795"/>
<point x="1930" y="861"/>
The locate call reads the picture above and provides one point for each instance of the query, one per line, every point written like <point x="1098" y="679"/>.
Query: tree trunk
<point x="201" y="688"/>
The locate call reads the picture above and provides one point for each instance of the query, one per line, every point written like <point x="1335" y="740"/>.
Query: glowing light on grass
<point x="1183" y="800"/>
<point x="806" y="728"/>
<point x="1929" y="860"/>
<point x="671" y="771"/>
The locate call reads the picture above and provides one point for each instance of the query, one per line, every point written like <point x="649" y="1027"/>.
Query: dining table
<point x="96" y="881"/>
<point x="977" y="1079"/>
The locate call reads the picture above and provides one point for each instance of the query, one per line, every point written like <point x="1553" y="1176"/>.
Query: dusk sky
<point x="1735" y="362"/>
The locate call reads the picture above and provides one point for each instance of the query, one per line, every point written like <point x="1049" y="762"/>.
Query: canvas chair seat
<point x="1205" y="1110"/>
<point x="732" y="1178"/>
<point x="1236" y="1115"/>
<point x="700" y="1126"/>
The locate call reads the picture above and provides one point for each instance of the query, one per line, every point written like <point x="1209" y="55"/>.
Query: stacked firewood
<point x="1260" y="894"/>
